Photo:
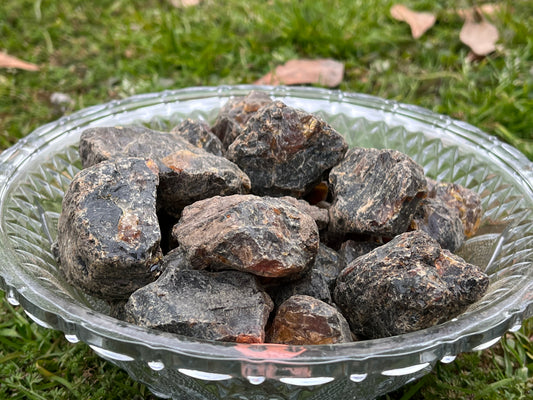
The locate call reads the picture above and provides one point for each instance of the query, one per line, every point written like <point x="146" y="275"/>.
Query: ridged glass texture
<point x="35" y="173"/>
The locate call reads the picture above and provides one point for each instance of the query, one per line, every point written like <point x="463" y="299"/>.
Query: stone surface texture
<point x="225" y="306"/>
<point x="199" y="134"/>
<point x="234" y="115"/>
<point x="375" y="192"/>
<point x="464" y="200"/>
<point x="286" y="151"/>
<point x="304" y="320"/>
<point x="108" y="233"/>
<point x="407" y="284"/>
<point x="261" y="235"/>
<point x="442" y="222"/>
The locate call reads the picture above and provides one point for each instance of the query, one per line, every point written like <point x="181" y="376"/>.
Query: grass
<point x="107" y="49"/>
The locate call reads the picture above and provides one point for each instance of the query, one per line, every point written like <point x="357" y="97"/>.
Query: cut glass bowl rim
<point x="118" y="338"/>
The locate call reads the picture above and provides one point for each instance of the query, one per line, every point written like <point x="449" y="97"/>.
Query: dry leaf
<point x="480" y="36"/>
<point x="184" y="3"/>
<point x="419" y="22"/>
<point x="7" y="61"/>
<point x="485" y="9"/>
<point x="325" y="72"/>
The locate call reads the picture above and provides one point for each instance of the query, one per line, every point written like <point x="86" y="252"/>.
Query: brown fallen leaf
<point x="184" y="3"/>
<point x="485" y="9"/>
<point x="479" y="34"/>
<point x="7" y="61"/>
<point x="325" y="72"/>
<point x="419" y="22"/>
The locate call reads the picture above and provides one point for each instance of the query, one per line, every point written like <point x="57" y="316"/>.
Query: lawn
<point x="94" y="52"/>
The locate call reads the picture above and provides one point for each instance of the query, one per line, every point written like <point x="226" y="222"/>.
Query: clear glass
<point x="36" y="171"/>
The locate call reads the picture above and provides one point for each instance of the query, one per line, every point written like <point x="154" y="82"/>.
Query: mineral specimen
<point x="286" y="151"/>
<point x="187" y="173"/>
<point x="108" y="233"/>
<point x="407" y="284"/>
<point x="441" y="222"/>
<point x="464" y="200"/>
<point x="235" y="114"/>
<point x="375" y="192"/>
<point x="351" y="249"/>
<point x="320" y="215"/>
<point x="199" y="134"/>
<point x="264" y="236"/>
<point x="188" y="176"/>
<point x="304" y="320"/>
<point x="226" y="306"/>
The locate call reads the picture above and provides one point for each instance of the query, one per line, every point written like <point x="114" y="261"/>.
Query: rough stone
<point x="320" y="215"/>
<point x="442" y="222"/>
<point x="264" y="236"/>
<point x="286" y="151"/>
<point x="199" y="133"/>
<point x="464" y="200"/>
<point x="304" y="320"/>
<point x="351" y="249"/>
<point x="108" y="233"/>
<point x="234" y="115"/>
<point x="375" y="192"/>
<point x="407" y="284"/>
<point x="187" y="173"/>
<point x="225" y="306"/>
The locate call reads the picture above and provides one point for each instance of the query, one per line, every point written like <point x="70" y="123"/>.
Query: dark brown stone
<point x="351" y="249"/>
<point x="108" y="233"/>
<point x="464" y="200"/>
<point x="187" y="173"/>
<point x="286" y="151"/>
<point x="191" y="176"/>
<point x="304" y="320"/>
<point x="199" y="134"/>
<point x="320" y="215"/>
<point x="405" y="285"/>
<point x="264" y="236"/>
<point x="441" y="222"/>
<point x="102" y="143"/>
<point x="375" y="192"/>
<point x="226" y="306"/>
<point x="233" y="117"/>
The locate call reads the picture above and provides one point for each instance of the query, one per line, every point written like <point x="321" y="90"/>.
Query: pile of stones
<point x="265" y="227"/>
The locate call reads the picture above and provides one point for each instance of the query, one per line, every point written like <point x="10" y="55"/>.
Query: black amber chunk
<point x="286" y="151"/>
<point x="108" y="233"/>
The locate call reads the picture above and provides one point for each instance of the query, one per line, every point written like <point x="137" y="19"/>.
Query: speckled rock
<point x="375" y="192"/>
<point x="264" y="236"/>
<point x="320" y="215"/>
<point x="226" y="306"/>
<point x="464" y="200"/>
<point x="407" y="284"/>
<point x="199" y="133"/>
<point x="108" y="233"/>
<point x="441" y="222"/>
<point x="286" y="151"/>
<point x="233" y="117"/>
<point x="304" y="320"/>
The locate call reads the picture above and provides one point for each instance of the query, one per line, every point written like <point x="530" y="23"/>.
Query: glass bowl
<point x="36" y="171"/>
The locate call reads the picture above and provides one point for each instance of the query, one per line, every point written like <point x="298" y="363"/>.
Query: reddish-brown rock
<point x="264" y="236"/>
<point x="304" y="320"/>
